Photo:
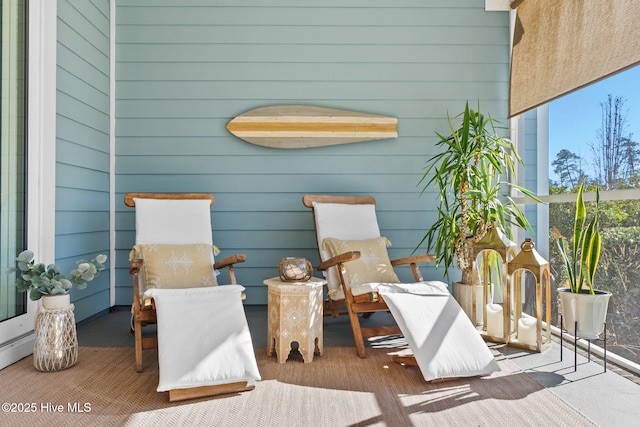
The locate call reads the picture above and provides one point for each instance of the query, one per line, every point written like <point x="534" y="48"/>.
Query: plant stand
<point x="575" y="345"/>
<point x="56" y="346"/>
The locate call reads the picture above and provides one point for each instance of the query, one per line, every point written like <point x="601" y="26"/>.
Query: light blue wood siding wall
<point x="82" y="145"/>
<point x="185" y="68"/>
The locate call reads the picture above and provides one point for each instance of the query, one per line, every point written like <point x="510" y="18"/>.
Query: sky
<point x="575" y="118"/>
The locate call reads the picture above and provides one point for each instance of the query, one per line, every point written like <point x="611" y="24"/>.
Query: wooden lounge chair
<point x="442" y="340"/>
<point x="352" y="219"/>
<point x="181" y="224"/>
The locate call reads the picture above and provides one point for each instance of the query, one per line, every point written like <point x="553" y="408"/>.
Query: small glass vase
<point x="56" y="346"/>
<point x="293" y="269"/>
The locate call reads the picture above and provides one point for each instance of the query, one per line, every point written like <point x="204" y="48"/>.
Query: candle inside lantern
<point x="494" y="320"/>
<point x="527" y="330"/>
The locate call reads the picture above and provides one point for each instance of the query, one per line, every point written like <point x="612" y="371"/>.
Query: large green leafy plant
<point x="582" y="256"/>
<point x="471" y="173"/>
<point x="40" y="280"/>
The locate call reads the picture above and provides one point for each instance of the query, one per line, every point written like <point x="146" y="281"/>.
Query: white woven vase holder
<point x="56" y="345"/>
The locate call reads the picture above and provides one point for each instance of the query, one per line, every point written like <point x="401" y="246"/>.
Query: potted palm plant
<point x="580" y="302"/>
<point x="470" y="172"/>
<point x="56" y="342"/>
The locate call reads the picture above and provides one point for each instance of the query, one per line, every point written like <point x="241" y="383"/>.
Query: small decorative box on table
<point x="295" y="314"/>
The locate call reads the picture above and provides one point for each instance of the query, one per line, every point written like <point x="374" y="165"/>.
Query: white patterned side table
<point x="295" y="314"/>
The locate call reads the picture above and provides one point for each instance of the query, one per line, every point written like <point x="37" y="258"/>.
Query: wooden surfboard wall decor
<point x="302" y="126"/>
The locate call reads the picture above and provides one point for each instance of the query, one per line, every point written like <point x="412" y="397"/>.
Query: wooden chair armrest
<point x="230" y="260"/>
<point x="413" y="259"/>
<point x="338" y="259"/>
<point x="228" y="263"/>
<point x="134" y="269"/>
<point x="135" y="265"/>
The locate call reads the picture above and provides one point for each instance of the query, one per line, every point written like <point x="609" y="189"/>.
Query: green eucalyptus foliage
<point x="581" y="258"/>
<point x="39" y="280"/>
<point x="469" y="173"/>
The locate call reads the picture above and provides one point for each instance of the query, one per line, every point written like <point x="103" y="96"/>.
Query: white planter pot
<point x="53" y="302"/>
<point x="590" y="311"/>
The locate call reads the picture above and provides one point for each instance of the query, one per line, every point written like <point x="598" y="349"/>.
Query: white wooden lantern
<point x="529" y="330"/>
<point x="496" y="318"/>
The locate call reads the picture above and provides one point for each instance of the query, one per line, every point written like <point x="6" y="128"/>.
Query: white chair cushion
<point x="203" y="338"/>
<point x="441" y="337"/>
<point x="344" y="222"/>
<point x="432" y="287"/>
<point x="177" y="222"/>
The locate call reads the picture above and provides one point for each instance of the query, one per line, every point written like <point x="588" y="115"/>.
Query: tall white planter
<point x="590" y="311"/>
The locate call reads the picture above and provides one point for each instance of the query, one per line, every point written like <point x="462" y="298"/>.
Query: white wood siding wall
<point x="82" y="145"/>
<point x="185" y="68"/>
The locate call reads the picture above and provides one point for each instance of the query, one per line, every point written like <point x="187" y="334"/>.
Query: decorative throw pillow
<point x="177" y="266"/>
<point x="373" y="266"/>
<point x="347" y="222"/>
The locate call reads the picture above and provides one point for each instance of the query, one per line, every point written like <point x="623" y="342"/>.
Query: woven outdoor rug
<point x="336" y="389"/>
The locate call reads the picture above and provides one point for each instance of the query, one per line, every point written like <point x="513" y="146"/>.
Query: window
<point x="594" y="135"/>
<point x="13" y="91"/>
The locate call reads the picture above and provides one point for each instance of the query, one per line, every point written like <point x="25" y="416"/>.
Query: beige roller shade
<point x="563" y="45"/>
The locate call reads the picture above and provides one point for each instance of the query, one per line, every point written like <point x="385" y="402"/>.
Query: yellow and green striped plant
<point x="581" y="257"/>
